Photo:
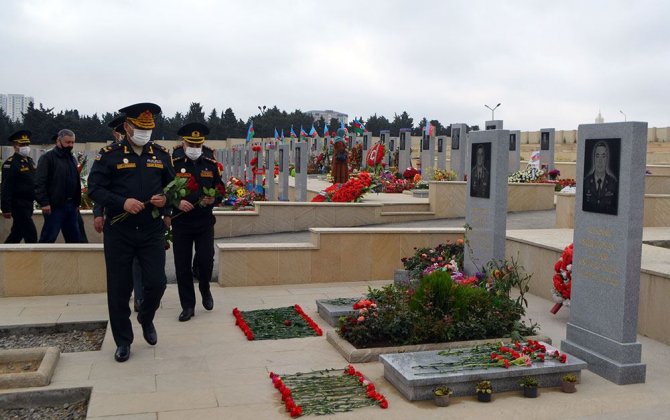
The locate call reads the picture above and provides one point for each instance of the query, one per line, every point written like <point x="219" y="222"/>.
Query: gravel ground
<point x="68" y="342"/>
<point x="74" y="411"/>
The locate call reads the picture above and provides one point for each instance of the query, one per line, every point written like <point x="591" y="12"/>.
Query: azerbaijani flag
<point x="303" y="134"/>
<point x="276" y="135"/>
<point x="250" y="132"/>
<point x="292" y="133"/>
<point x="312" y="132"/>
<point x="359" y="127"/>
<point x="428" y="129"/>
<point x="325" y="129"/>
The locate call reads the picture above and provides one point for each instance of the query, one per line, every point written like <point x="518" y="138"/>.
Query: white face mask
<point x="141" y="137"/>
<point x="193" y="152"/>
<point x="24" y="151"/>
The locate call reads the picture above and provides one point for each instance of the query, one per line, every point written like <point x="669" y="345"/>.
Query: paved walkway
<point x="205" y="369"/>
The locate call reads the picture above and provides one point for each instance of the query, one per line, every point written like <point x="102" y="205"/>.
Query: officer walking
<point x="18" y="190"/>
<point x="119" y="133"/>
<point x="195" y="227"/>
<point x="129" y="177"/>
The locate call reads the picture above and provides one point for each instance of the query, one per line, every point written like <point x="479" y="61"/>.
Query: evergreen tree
<point x="195" y="114"/>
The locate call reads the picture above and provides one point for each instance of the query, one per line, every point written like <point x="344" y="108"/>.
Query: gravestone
<point x="459" y="150"/>
<point x="259" y="170"/>
<point x="384" y="136"/>
<point x="301" y="157"/>
<point x="269" y="165"/>
<point x="319" y="145"/>
<point x="282" y="158"/>
<point x="234" y="165"/>
<point x="367" y="145"/>
<point x="427" y="157"/>
<point x="441" y="153"/>
<point x="514" y="151"/>
<point x="404" y="149"/>
<point x="486" y="202"/>
<point x="291" y="156"/>
<point x="602" y="328"/>
<point x="494" y="124"/>
<point x="7" y="151"/>
<point x="223" y="158"/>
<point x="393" y="142"/>
<point x="248" y="171"/>
<point x="330" y="310"/>
<point x="547" y="137"/>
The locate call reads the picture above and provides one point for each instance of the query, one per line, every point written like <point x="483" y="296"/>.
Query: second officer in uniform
<point x="195" y="225"/>
<point x="18" y="190"/>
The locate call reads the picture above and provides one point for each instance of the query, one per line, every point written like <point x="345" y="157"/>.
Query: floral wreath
<point x="562" y="280"/>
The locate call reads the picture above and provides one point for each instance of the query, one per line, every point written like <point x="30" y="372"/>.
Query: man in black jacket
<point x="58" y="190"/>
<point x="128" y="179"/>
<point x="18" y="190"/>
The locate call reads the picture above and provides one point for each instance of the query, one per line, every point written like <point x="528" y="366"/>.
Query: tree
<point x="214" y="124"/>
<point x="228" y="124"/>
<point x="6" y="126"/>
<point x="195" y="114"/>
<point x="401" y="121"/>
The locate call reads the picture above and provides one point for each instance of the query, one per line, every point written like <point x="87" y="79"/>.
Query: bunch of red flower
<point x="369" y="386"/>
<point x="308" y="320"/>
<point x="562" y="280"/>
<point x="364" y="303"/>
<point x="410" y="173"/>
<point x="348" y="192"/>
<point x="568" y="182"/>
<point x="291" y="407"/>
<point x="256" y="148"/>
<point x="239" y="321"/>
<point x="192" y="184"/>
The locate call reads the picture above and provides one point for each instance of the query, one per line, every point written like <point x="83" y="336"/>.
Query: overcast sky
<point x="550" y="64"/>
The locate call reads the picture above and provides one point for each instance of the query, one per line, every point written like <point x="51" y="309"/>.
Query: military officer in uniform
<point x="601" y="186"/>
<point x="18" y="190"/>
<point x="130" y="177"/>
<point x="480" y="176"/>
<point x="195" y="227"/>
<point x="178" y="152"/>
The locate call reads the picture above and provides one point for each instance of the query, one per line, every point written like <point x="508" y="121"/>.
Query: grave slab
<point x="417" y="384"/>
<point x="330" y="310"/>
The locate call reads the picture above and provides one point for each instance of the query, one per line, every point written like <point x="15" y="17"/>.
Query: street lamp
<point x="262" y="109"/>
<point x="493" y="110"/>
<point x="624" y="115"/>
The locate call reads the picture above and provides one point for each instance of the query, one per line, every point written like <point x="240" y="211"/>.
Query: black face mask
<point x="67" y="149"/>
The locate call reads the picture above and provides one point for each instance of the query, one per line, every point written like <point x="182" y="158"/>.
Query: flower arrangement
<point x="327" y="391"/>
<point x="527" y="175"/>
<point x="563" y="183"/>
<point x="445" y="175"/>
<point x="410" y="173"/>
<point x="356" y="157"/>
<point x="375" y="155"/>
<point x="351" y="191"/>
<point x="554" y="173"/>
<point x="276" y="323"/>
<point x="445" y="257"/>
<point x="484" y="387"/>
<point x="173" y="191"/>
<point x="562" y="280"/>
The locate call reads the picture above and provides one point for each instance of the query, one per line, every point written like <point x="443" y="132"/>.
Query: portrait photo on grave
<point x="281" y="160"/>
<point x="544" y="141"/>
<point x="480" y="172"/>
<point x="440" y="145"/>
<point x="602" y="159"/>
<point x="298" y="162"/>
<point x="392" y="145"/>
<point x="491" y="127"/>
<point x="426" y="142"/>
<point x="382" y="138"/>
<point x="402" y="140"/>
<point x="455" y="138"/>
<point x="512" y="142"/>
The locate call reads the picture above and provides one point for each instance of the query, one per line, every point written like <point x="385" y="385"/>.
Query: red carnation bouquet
<point x="562" y="280"/>
<point x="349" y="192"/>
<point x="375" y="155"/>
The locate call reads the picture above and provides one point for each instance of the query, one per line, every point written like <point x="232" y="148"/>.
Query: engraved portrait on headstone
<point x="480" y="170"/>
<point x="392" y="145"/>
<point x="382" y="138"/>
<point x="544" y="141"/>
<point x="491" y="127"/>
<point x="440" y="145"/>
<point x="601" y="176"/>
<point x="281" y="160"/>
<point x="455" y="138"/>
<point x="402" y="140"/>
<point x="512" y="142"/>
<point x="298" y="162"/>
<point x="426" y="142"/>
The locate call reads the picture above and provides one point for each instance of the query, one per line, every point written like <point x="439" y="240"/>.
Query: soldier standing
<point x="130" y="177"/>
<point x="18" y="190"/>
<point x="195" y="227"/>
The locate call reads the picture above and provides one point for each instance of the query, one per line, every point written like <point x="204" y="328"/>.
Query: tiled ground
<point x="205" y="369"/>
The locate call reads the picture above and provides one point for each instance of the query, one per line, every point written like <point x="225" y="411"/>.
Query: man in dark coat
<point x="18" y="190"/>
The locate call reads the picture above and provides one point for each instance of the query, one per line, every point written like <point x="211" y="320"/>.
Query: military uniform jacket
<point x="480" y="186"/>
<point x="18" y="181"/>
<point x="118" y="173"/>
<point x="206" y="172"/>
<point x="603" y="200"/>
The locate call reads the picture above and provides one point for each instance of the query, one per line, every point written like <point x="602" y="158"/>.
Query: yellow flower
<point x="240" y="192"/>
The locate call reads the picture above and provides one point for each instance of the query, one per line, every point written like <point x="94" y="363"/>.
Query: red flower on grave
<point x="384" y="404"/>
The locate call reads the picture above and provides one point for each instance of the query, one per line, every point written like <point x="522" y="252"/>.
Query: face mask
<point x="67" y="149"/>
<point x="24" y="151"/>
<point x="193" y="152"/>
<point x="141" y="137"/>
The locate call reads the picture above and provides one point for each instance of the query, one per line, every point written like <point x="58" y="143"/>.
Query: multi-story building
<point x="328" y="114"/>
<point x="15" y="105"/>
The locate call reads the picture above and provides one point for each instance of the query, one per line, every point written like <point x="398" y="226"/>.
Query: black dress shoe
<point x="149" y="333"/>
<point x="122" y="353"/>
<point x="207" y="301"/>
<point x="186" y="314"/>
